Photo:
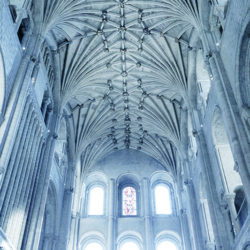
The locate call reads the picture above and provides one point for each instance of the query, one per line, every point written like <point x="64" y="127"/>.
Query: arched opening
<point x="162" y="199"/>
<point x="93" y="246"/>
<point x="48" y="237"/>
<point x="129" y="206"/>
<point x="128" y="190"/>
<point x="129" y="244"/>
<point x="166" y="244"/>
<point x="96" y="200"/>
<point x="92" y="240"/>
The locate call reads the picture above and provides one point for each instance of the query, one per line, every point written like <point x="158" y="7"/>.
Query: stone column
<point x="183" y="215"/>
<point x="21" y="188"/>
<point x="16" y="153"/>
<point x="15" y="106"/>
<point x="194" y="214"/>
<point x="19" y="168"/>
<point x="35" y="220"/>
<point x="147" y="215"/>
<point x="18" y="95"/>
<point x="22" y="201"/>
<point x="66" y="207"/>
<point x="210" y="243"/>
<point x="73" y="235"/>
<point x="185" y="229"/>
<point x="111" y="216"/>
<point x="33" y="182"/>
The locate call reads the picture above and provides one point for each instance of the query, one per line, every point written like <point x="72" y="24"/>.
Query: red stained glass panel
<point x="129" y="201"/>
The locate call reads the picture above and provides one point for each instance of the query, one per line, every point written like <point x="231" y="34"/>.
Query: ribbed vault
<point x="123" y="70"/>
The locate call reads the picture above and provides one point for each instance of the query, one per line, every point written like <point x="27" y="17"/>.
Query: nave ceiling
<point x="123" y="69"/>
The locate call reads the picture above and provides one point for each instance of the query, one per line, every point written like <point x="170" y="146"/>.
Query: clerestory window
<point x="162" y="199"/>
<point x="96" y="200"/>
<point x="129" y="202"/>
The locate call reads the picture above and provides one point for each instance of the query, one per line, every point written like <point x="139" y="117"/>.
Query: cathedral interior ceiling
<point x="123" y="70"/>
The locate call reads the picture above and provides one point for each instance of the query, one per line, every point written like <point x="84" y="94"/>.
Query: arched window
<point x="129" y="244"/>
<point x="129" y="202"/>
<point x="162" y="199"/>
<point x="166" y="245"/>
<point x="93" y="246"/>
<point x="96" y="200"/>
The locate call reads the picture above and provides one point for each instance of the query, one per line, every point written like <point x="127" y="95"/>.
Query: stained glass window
<point x="129" y="201"/>
<point x="162" y="199"/>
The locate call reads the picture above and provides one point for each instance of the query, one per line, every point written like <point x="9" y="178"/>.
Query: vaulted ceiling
<point x="123" y="73"/>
